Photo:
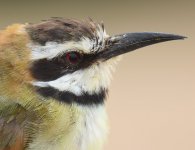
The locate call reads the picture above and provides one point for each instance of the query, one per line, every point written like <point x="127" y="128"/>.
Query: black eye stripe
<point x="51" y="69"/>
<point x="46" y="70"/>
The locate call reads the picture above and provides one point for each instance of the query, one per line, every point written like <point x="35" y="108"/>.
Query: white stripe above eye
<point x="53" y="49"/>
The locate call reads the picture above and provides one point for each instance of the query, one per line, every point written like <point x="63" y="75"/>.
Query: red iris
<point x="73" y="57"/>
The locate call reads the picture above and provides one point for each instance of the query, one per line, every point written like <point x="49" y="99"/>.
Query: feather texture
<point x="29" y="121"/>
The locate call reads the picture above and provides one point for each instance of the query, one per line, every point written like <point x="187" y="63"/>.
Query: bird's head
<point x="68" y="63"/>
<point x="72" y="61"/>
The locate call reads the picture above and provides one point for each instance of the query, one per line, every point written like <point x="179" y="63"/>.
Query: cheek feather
<point x="91" y="80"/>
<point x="86" y="87"/>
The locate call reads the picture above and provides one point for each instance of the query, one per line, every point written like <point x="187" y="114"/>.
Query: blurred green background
<point x="152" y="97"/>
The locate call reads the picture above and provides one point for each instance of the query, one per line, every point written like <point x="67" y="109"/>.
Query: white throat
<point x="94" y="129"/>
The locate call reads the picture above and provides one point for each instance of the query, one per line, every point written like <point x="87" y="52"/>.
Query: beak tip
<point x="169" y="36"/>
<point x="179" y="37"/>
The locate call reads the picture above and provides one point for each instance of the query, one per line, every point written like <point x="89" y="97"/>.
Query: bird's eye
<point x="73" y="57"/>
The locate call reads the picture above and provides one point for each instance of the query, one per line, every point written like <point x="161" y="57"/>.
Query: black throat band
<point x="69" y="98"/>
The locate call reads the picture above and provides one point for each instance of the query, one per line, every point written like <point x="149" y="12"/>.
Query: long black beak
<point x="127" y="42"/>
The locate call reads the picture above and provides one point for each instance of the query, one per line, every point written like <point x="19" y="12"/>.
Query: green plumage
<point x="24" y="115"/>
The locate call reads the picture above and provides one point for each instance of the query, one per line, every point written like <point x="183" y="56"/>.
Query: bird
<point x="54" y="81"/>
